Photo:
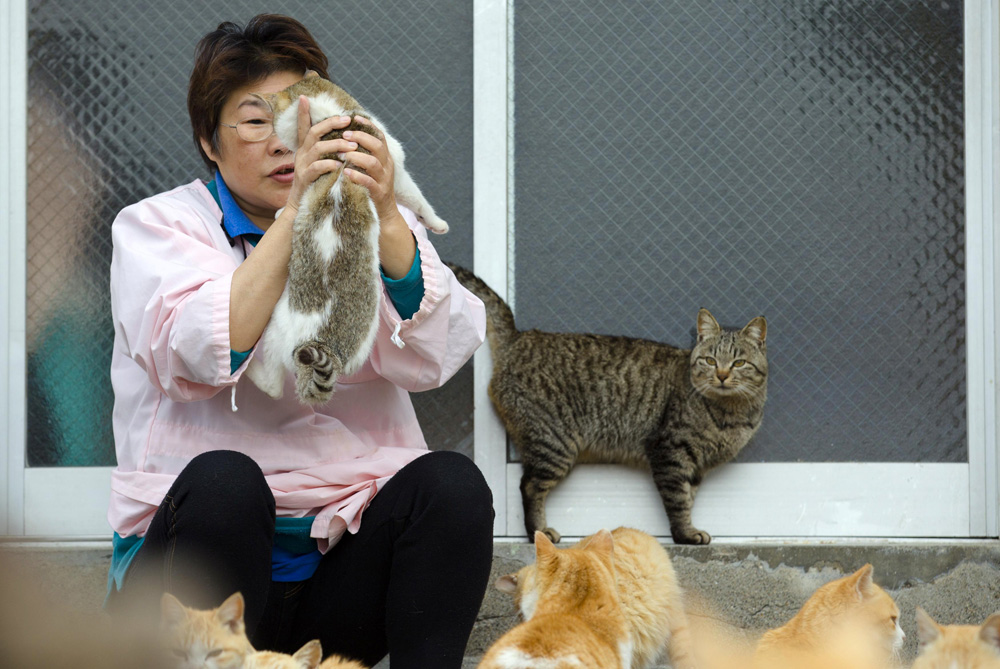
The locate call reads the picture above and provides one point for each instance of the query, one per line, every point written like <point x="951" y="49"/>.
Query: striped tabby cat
<point x="568" y="398"/>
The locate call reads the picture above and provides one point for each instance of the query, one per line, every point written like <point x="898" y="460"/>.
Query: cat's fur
<point x="652" y="601"/>
<point x="568" y="398"/>
<point x="212" y="639"/>
<point x="324" y="324"/>
<point x="965" y="646"/>
<point x="307" y="657"/>
<point x="576" y="616"/>
<point x="849" y="622"/>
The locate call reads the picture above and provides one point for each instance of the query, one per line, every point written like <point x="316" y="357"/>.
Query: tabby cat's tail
<point x="500" y="328"/>
<point x="316" y="372"/>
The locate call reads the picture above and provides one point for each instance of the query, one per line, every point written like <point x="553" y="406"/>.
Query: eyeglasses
<point x="253" y="129"/>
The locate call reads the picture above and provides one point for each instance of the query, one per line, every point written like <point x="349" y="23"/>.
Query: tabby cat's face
<point x="213" y="639"/>
<point x="729" y="364"/>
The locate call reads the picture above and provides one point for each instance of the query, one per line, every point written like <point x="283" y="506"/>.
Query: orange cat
<point x="213" y="639"/>
<point x="575" y="619"/>
<point x="651" y="599"/>
<point x="849" y="622"/>
<point x="307" y="657"/>
<point x="962" y="646"/>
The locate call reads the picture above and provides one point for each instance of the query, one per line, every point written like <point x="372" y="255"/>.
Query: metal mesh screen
<point x="108" y="126"/>
<point x="800" y="160"/>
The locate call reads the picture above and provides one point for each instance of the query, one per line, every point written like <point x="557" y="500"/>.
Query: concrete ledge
<point x="749" y="586"/>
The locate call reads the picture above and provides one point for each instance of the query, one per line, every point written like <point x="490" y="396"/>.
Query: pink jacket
<point x="171" y="274"/>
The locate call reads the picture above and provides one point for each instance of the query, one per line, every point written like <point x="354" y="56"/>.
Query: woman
<point x="334" y="522"/>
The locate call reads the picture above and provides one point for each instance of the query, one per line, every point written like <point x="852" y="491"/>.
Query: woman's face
<point x="259" y="174"/>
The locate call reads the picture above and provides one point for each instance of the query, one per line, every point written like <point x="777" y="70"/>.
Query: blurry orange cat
<point x="849" y="622"/>
<point x="961" y="646"/>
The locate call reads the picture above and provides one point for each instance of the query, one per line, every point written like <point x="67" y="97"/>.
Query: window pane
<point x="803" y="161"/>
<point x="108" y="126"/>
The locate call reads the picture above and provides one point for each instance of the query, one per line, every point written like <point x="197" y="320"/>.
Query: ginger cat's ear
<point x="602" y="542"/>
<point x="927" y="630"/>
<point x="756" y="330"/>
<point x="507" y="584"/>
<point x="172" y="612"/>
<point x="707" y="325"/>
<point x="310" y="655"/>
<point x="990" y="631"/>
<point x="230" y="613"/>
<point x="863" y="581"/>
<point x="543" y="545"/>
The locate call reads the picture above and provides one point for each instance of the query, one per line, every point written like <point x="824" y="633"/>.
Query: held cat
<point x="568" y="398"/>
<point x="324" y="324"/>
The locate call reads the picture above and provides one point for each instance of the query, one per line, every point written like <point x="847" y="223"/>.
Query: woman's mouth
<point x="284" y="174"/>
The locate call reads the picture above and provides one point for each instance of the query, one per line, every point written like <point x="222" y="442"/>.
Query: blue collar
<point x="234" y="221"/>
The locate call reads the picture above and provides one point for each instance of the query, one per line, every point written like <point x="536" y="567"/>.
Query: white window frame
<point x="736" y="502"/>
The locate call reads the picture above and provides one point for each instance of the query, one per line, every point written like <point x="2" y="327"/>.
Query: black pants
<point x="409" y="583"/>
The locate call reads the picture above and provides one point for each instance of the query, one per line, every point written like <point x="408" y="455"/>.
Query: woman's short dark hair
<point x="233" y="56"/>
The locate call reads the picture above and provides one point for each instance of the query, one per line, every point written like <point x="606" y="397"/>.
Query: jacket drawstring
<point x="396" y="338"/>
<point x="233" y="399"/>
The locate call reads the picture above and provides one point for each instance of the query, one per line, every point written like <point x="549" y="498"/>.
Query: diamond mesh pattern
<point x="799" y="160"/>
<point x="108" y="126"/>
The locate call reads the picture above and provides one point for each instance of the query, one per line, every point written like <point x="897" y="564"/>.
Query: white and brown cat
<point x="324" y="324"/>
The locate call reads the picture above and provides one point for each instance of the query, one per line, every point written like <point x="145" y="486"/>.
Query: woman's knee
<point x="225" y="479"/>
<point x="453" y="482"/>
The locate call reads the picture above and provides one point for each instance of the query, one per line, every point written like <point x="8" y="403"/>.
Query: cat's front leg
<point x="677" y="478"/>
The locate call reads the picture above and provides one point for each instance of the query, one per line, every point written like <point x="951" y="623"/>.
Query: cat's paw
<point x="434" y="224"/>
<point x="553" y="536"/>
<point x="691" y="535"/>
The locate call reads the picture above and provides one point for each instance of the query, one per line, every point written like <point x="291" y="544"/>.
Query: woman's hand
<point x="310" y="163"/>
<point x="396" y="246"/>
<point x="379" y="171"/>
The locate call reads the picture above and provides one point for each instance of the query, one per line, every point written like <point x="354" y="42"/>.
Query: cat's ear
<point x="756" y="330"/>
<point x="270" y="99"/>
<point x="230" y="613"/>
<point x="863" y="581"/>
<point x="602" y="543"/>
<point x="990" y="631"/>
<point x="507" y="584"/>
<point x="543" y="545"/>
<point x="172" y="612"/>
<point x="707" y="325"/>
<point x="310" y="655"/>
<point x="927" y="630"/>
<point x="311" y="73"/>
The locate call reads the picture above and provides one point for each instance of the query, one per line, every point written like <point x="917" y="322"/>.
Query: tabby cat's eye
<point x="739" y="363"/>
<point x="711" y="361"/>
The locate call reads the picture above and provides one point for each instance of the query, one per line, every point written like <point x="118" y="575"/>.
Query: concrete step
<point x="746" y="586"/>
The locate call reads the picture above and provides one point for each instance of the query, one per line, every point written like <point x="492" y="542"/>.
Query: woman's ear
<point x="209" y="150"/>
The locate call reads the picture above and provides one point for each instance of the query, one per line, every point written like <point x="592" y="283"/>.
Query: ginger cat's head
<point x="965" y="646"/>
<point x="212" y="639"/>
<point x="558" y="573"/>
<point x="307" y="657"/>
<point x="849" y="615"/>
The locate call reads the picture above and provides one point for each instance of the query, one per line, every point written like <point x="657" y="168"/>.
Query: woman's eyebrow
<point x="253" y="102"/>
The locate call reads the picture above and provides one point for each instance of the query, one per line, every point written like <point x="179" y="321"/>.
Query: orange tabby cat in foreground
<point x="958" y="646"/>
<point x="652" y="601"/>
<point x="216" y="639"/>
<point x="577" y="618"/>
<point x="849" y="622"/>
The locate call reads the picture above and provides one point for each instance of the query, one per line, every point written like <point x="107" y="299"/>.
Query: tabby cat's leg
<point x="677" y="479"/>
<point x="539" y="478"/>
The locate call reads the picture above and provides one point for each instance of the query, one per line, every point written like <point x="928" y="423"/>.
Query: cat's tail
<point x="500" y="328"/>
<point x="316" y="372"/>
